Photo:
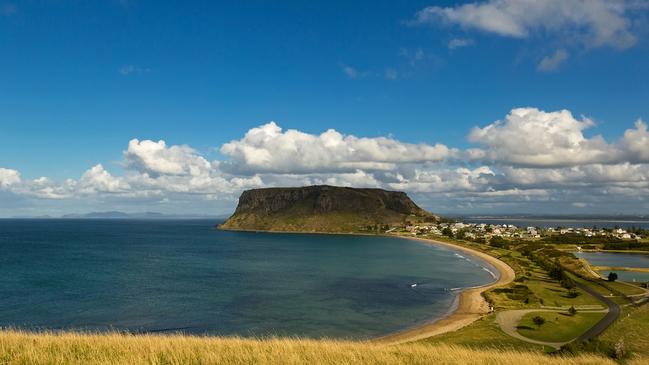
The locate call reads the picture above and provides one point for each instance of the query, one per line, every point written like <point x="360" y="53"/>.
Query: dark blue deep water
<point x="186" y="276"/>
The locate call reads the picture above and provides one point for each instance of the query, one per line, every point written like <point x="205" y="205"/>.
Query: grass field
<point x="536" y="290"/>
<point x="624" y="288"/>
<point x="25" y="348"/>
<point x="558" y="327"/>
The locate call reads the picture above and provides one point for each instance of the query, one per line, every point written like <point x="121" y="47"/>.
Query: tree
<point x="567" y="282"/>
<point x="612" y="276"/>
<point x="572" y="310"/>
<point x="447" y="232"/>
<point x="538" y="321"/>
<point x="573" y="293"/>
<point x="499" y="242"/>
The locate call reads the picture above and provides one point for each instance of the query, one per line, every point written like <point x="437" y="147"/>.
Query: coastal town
<point x="485" y="232"/>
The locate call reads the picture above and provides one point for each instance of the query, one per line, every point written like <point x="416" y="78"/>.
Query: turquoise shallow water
<point x="630" y="276"/>
<point x="185" y="276"/>
<point x="619" y="260"/>
<point x="615" y="259"/>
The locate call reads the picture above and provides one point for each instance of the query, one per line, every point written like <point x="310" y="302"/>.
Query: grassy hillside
<point x="632" y="328"/>
<point x="25" y="348"/>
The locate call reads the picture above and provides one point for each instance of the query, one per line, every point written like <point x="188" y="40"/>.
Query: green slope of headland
<point x="323" y="209"/>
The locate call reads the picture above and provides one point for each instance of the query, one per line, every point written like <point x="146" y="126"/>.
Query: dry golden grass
<point x="18" y="347"/>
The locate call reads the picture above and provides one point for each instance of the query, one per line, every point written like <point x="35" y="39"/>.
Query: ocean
<point x="186" y="276"/>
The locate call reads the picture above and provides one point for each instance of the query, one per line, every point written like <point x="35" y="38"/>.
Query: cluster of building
<point x="486" y="231"/>
<point x="594" y="232"/>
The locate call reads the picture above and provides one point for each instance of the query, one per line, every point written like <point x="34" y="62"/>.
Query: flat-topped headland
<point x="331" y="209"/>
<point x="324" y="209"/>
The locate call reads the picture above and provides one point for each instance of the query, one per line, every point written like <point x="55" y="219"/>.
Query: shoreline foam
<point x="471" y="305"/>
<point x="468" y="306"/>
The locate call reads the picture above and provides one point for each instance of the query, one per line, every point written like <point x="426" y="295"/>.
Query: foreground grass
<point x="72" y="348"/>
<point x="632" y="329"/>
<point x="483" y="334"/>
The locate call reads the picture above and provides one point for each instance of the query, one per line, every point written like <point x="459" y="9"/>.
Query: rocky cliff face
<point x="322" y="209"/>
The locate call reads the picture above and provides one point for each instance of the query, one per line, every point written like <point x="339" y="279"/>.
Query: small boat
<point x="413" y="285"/>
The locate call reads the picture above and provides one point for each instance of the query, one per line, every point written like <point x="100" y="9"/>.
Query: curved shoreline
<point x="471" y="306"/>
<point x="467" y="307"/>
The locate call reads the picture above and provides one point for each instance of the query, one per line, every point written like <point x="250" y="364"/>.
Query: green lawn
<point x="483" y="333"/>
<point x="628" y="289"/>
<point x="555" y="295"/>
<point x="540" y="291"/>
<point x="600" y="286"/>
<point x="558" y="327"/>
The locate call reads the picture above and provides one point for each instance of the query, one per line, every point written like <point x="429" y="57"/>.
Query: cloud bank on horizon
<point x="530" y="158"/>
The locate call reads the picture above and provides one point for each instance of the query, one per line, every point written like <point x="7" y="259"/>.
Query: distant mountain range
<point x="123" y="215"/>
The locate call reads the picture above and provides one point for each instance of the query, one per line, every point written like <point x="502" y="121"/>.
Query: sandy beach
<point x="470" y="308"/>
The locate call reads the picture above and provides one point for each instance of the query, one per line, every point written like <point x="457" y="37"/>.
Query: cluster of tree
<point x="529" y="248"/>
<point x="639" y="231"/>
<point x="627" y="245"/>
<point x="548" y="259"/>
<point x="499" y="242"/>
<point x="557" y="272"/>
<point x="538" y="320"/>
<point x="576" y="239"/>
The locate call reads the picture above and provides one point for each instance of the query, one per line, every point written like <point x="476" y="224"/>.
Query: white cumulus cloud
<point x="98" y="180"/>
<point x="636" y="142"/>
<point x="269" y="149"/>
<point x="155" y="158"/>
<point x="8" y="177"/>
<point x="530" y="158"/>
<point x="593" y="23"/>
<point x="532" y="137"/>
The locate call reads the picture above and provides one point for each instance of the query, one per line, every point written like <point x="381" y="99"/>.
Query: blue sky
<point x="79" y="80"/>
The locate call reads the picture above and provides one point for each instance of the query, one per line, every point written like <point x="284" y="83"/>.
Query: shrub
<point x="499" y="242"/>
<point x="612" y="276"/>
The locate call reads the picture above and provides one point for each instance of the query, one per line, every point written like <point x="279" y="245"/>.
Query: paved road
<point x="604" y="323"/>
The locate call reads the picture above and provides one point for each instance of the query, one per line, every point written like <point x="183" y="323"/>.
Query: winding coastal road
<point x="604" y="323"/>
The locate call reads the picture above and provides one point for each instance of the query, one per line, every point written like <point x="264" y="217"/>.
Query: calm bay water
<point x="187" y="276"/>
